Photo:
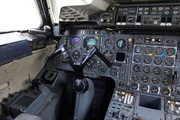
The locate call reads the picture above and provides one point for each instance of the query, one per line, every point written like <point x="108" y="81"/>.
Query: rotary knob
<point x="102" y="20"/>
<point x="108" y="20"/>
<point x="131" y="19"/>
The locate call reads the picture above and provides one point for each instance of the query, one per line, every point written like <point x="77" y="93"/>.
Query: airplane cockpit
<point x="91" y="60"/>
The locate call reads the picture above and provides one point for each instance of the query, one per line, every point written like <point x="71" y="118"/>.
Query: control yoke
<point x="80" y="85"/>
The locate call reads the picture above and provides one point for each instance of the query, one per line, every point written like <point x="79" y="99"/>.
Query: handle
<point x="104" y="59"/>
<point x="53" y="54"/>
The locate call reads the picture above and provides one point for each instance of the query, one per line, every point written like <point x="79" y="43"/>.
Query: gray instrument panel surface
<point x="79" y="42"/>
<point x="122" y="70"/>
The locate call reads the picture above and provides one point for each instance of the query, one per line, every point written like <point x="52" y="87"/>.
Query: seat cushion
<point x="25" y="116"/>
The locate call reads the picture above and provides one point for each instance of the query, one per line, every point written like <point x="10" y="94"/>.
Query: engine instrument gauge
<point x="147" y="59"/>
<point x="121" y="43"/>
<point x="121" y="84"/>
<point x="155" y="80"/>
<point x="166" y="81"/>
<point x="144" y="87"/>
<point x="76" y="54"/>
<point x="102" y="69"/>
<point x="146" y="69"/>
<point x="90" y="42"/>
<point x="137" y="58"/>
<point x="158" y="60"/>
<point x="75" y="42"/>
<point x="159" y="51"/>
<point x="135" y="77"/>
<point x="108" y="43"/>
<point x="145" y="78"/>
<point x="167" y="71"/>
<point x="154" y="89"/>
<point x="134" y="86"/>
<point x="91" y="65"/>
<point x="165" y="91"/>
<point x="148" y="50"/>
<point x="136" y="68"/>
<point x="138" y="49"/>
<point x="169" y="61"/>
<point x="108" y="54"/>
<point x="170" y="51"/>
<point x="156" y="70"/>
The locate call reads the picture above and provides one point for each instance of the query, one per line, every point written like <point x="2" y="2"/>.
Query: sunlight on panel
<point x="62" y="3"/>
<point x="72" y="2"/>
<point x="19" y="15"/>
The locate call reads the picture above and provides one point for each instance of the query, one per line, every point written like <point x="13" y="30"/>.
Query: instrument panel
<point x="143" y="15"/>
<point x="153" y="65"/>
<point x="141" y="63"/>
<point x="143" y="66"/>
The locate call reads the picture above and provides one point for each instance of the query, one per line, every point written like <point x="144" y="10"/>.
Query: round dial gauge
<point x="166" y="81"/>
<point x="165" y="91"/>
<point x="137" y="58"/>
<point x="121" y="43"/>
<point x="147" y="59"/>
<point x="138" y="49"/>
<point x="102" y="69"/>
<point x="91" y="65"/>
<point x="146" y="69"/>
<point x="75" y="42"/>
<point x="145" y="78"/>
<point x="135" y="77"/>
<point x="154" y="89"/>
<point x="156" y="70"/>
<point x="144" y="87"/>
<point x="155" y="80"/>
<point x="136" y="68"/>
<point x="168" y="71"/>
<point x="134" y="86"/>
<point x="159" y="51"/>
<point x="121" y="84"/>
<point x="169" y="61"/>
<point x="89" y="43"/>
<point x="76" y="54"/>
<point x="108" y="54"/>
<point x="108" y="43"/>
<point x="158" y="60"/>
<point x="170" y="51"/>
<point x="148" y="50"/>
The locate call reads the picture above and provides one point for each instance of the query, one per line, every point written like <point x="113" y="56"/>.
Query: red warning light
<point x="112" y="41"/>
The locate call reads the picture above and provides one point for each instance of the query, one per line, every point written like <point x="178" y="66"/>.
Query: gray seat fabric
<point x="25" y="116"/>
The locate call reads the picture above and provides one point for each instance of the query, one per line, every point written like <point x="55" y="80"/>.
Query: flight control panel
<point x="143" y="66"/>
<point x="140" y="15"/>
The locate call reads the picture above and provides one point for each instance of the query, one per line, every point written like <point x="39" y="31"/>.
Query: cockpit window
<point x="19" y="15"/>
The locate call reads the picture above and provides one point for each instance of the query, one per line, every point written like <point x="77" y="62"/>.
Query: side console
<point x="27" y="101"/>
<point x="135" y="106"/>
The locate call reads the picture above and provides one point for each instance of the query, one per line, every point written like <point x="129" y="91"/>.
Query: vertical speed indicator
<point x="108" y="43"/>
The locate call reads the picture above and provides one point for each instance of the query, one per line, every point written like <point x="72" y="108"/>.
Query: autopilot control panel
<point x="145" y="68"/>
